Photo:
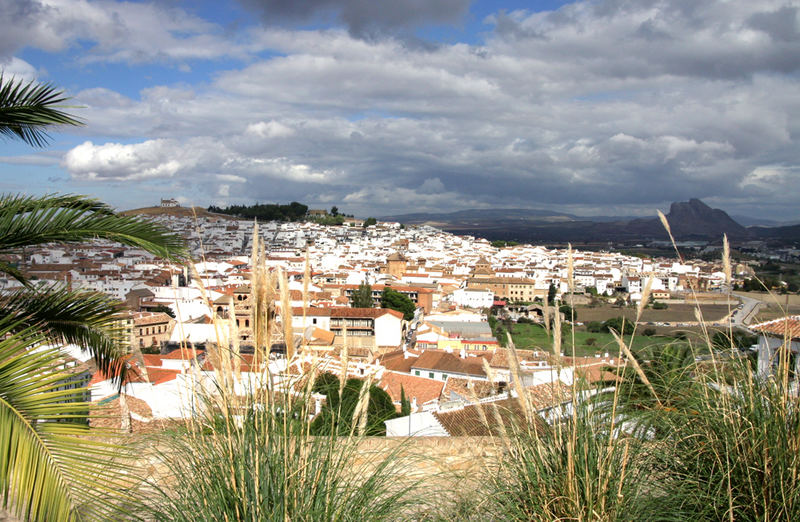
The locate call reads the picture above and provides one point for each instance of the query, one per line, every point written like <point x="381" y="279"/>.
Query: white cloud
<point x="151" y="159"/>
<point x="271" y="129"/>
<point x="17" y="68"/>
<point x="620" y="103"/>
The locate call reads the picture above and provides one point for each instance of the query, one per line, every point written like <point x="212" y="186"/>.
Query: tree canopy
<point x="294" y="211"/>
<point x="338" y="413"/>
<point x="394" y="300"/>
<point x="362" y="297"/>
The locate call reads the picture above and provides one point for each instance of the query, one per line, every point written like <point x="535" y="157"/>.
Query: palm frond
<point x="27" y="109"/>
<point x="13" y="271"/>
<point x="29" y="221"/>
<point x="85" y="318"/>
<point x="22" y="203"/>
<point x="49" y="468"/>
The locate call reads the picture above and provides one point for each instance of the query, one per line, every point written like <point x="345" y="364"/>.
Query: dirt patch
<point x="675" y="313"/>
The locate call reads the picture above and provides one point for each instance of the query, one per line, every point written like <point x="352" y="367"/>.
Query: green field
<point x="534" y="337"/>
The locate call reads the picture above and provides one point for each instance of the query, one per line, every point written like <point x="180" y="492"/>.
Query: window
<point x="416" y="372"/>
<point x="314" y="321"/>
<point x="444" y="376"/>
<point x="430" y="375"/>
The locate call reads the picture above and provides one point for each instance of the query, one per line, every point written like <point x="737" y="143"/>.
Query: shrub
<point x="594" y="327"/>
<point x="732" y="453"/>
<point x="571" y="470"/>
<point x="245" y="462"/>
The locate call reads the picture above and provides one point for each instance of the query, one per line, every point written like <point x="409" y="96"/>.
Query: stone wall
<point x="438" y="459"/>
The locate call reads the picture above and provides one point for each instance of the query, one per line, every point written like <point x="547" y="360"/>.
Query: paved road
<point x="745" y="315"/>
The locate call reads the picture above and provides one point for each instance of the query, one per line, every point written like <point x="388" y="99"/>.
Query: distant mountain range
<point x="689" y="220"/>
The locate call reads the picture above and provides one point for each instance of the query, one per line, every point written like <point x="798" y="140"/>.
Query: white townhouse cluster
<point x="437" y="358"/>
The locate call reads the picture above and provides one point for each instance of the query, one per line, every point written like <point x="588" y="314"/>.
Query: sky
<point x="598" y="107"/>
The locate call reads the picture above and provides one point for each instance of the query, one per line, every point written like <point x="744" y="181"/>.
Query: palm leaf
<point x="26" y="109"/>
<point x="48" y="465"/>
<point x="85" y="318"/>
<point x="29" y="221"/>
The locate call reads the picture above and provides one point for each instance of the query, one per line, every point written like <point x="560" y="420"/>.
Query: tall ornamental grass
<point x="248" y="453"/>
<point x="689" y="432"/>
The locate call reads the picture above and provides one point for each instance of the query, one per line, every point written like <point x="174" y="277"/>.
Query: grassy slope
<point x="174" y="211"/>
<point x="534" y="337"/>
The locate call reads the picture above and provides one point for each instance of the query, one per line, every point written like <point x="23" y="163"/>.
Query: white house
<point x="473" y="298"/>
<point x="772" y="336"/>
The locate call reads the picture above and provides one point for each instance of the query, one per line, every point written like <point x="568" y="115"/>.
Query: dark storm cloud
<point x="780" y="25"/>
<point x="598" y="104"/>
<point x="649" y="38"/>
<point x="363" y="17"/>
<point x="17" y="19"/>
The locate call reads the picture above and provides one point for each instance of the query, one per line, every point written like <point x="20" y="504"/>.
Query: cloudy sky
<point x="594" y="107"/>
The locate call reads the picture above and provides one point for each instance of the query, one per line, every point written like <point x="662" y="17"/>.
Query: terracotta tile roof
<point x="598" y="373"/>
<point x="297" y="311"/>
<point x="449" y="363"/>
<point x="364" y="312"/>
<point x="469" y="388"/>
<point x="783" y="327"/>
<point x="500" y="358"/>
<point x="320" y="336"/>
<point x="160" y="375"/>
<point x="145" y="318"/>
<point x="548" y="394"/>
<point x="152" y="360"/>
<point x="396" y="361"/>
<point x="424" y="390"/>
<point x="184" y="354"/>
<point x="467" y="421"/>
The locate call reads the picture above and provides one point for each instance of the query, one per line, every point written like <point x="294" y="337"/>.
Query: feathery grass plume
<point x="726" y="259"/>
<point x="565" y="471"/>
<point x="345" y="354"/>
<point x="249" y="454"/>
<point x="306" y="283"/>
<point x="665" y="223"/>
<point x="233" y="339"/>
<point x="286" y="316"/>
<point x="516" y="376"/>
<point x="557" y="336"/>
<point x="648" y="286"/>
<point x="546" y="315"/>
<point x="473" y="397"/>
<point x="730" y="450"/>
<point x="266" y="466"/>
<point x="359" y="420"/>
<point x="570" y="268"/>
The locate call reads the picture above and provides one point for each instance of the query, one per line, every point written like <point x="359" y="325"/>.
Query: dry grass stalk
<point x="570" y="268"/>
<point x="630" y="357"/>
<point x="557" y="336"/>
<point x="360" y="412"/>
<point x="345" y="357"/>
<point x="286" y="316"/>
<point x="664" y="222"/>
<point x="648" y="286"/>
<point x="726" y="260"/>
<point x="516" y="377"/>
